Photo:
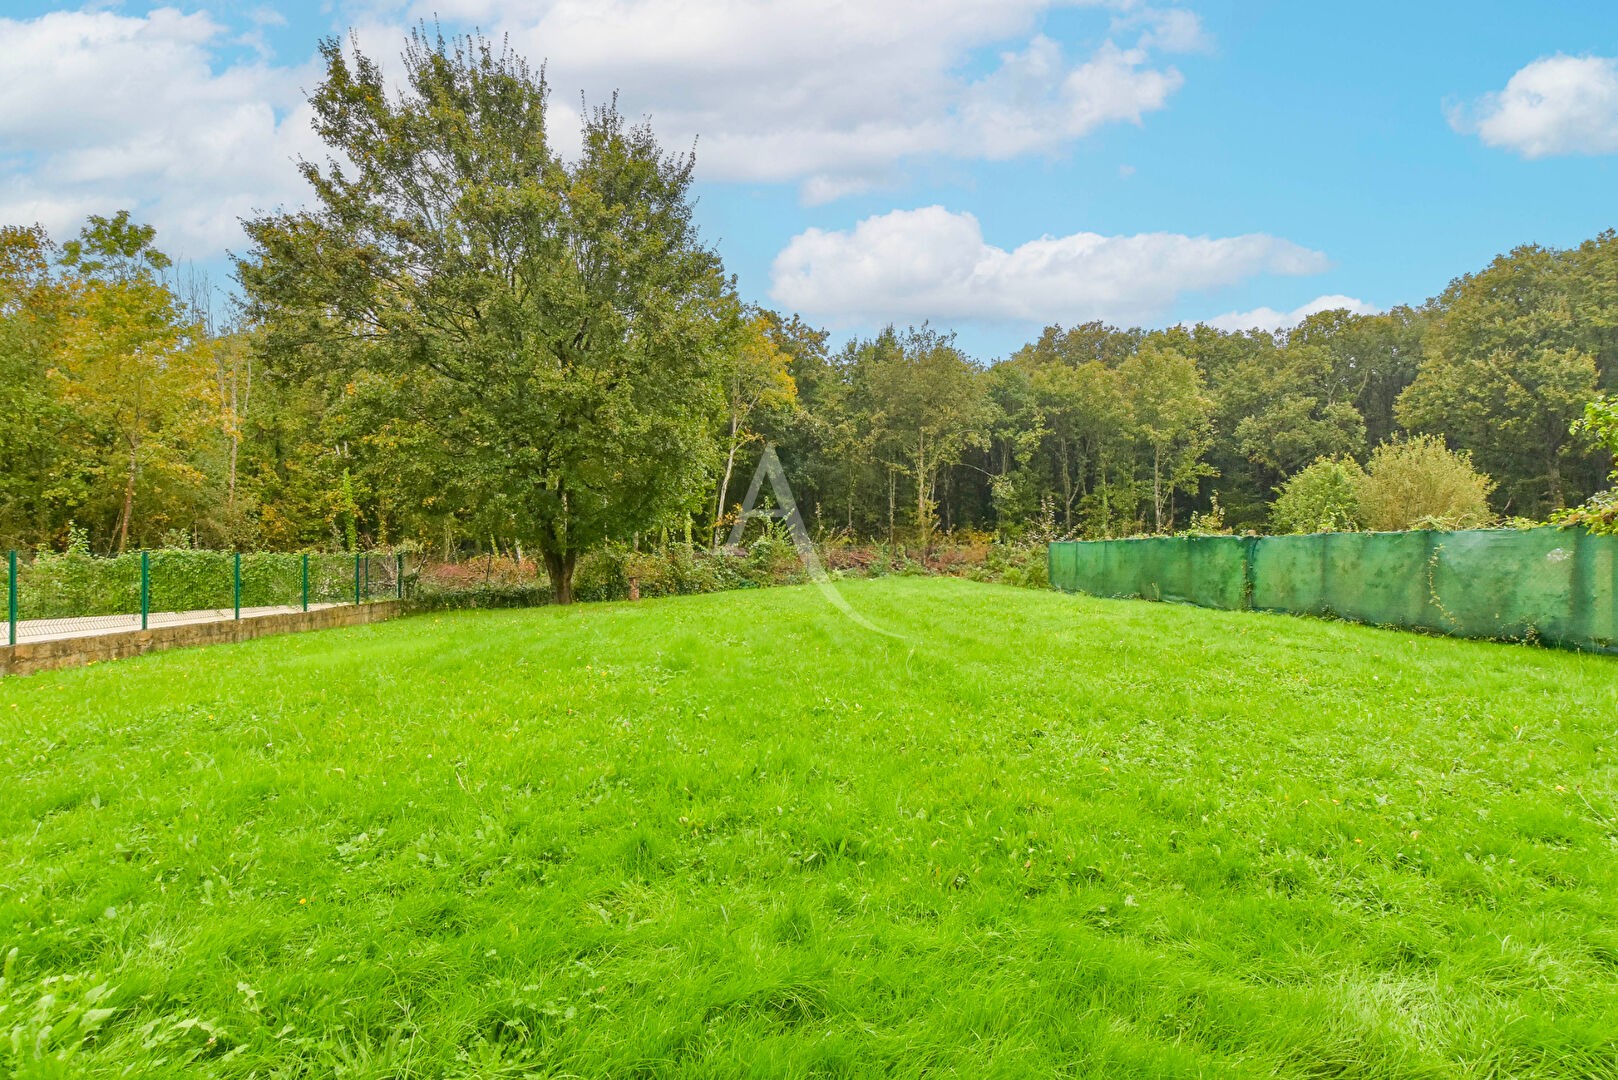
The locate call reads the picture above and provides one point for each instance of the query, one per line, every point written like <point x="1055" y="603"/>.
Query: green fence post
<point x="356" y="579"/>
<point x="145" y="587"/>
<point x="236" y="575"/>
<point x="367" y="576"/>
<point x="306" y="581"/>
<point x="398" y="573"/>
<point x="11" y="593"/>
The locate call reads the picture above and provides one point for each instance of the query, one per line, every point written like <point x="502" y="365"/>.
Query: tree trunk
<point x="1157" y="489"/>
<point x="724" y="487"/>
<point x="924" y="512"/>
<point x="129" y="497"/>
<point x="1067" y="486"/>
<point x="893" y="494"/>
<point x="559" y="568"/>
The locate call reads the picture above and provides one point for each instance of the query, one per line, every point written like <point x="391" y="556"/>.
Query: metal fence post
<point x="145" y="587"/>
<point x="398" y="573"/>
<point x="306" y="581"/>
<point x="11" y="592"/>
<point x="356" y="579"/>
<point x="367" y="576"/>
<point x="236" y="574"/>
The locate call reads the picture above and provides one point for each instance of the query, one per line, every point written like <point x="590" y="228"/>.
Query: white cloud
<point x="101" y="111"/>
<point x="838" y="95"/>
<point x="1556" y="105"/>
<point x="932" y="263"/>
<point x="1171" y="30"/>
<point x="191" y="123"/>
<point x="1266" y="318"/>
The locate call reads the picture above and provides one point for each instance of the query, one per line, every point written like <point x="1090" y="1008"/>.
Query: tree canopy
<point x="554" y="325"/>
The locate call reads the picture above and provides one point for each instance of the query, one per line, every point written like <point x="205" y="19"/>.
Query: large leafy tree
<point x="130" y="364"/>
<point x="927" y="409"/>
<point x="1173" y="420"/>
<point x="1508" y="368"/>
<point x="32" y="306"/>
<point x="555" y="325"/>
<point x="757" y="382"/>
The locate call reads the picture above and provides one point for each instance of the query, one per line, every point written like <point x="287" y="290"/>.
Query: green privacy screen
<point x="1559" y="586"/>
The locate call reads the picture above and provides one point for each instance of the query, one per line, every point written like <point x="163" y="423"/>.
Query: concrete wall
<point x="29" y="657"/>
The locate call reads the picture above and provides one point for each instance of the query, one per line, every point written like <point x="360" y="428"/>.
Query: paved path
<point x="31" y="630"/>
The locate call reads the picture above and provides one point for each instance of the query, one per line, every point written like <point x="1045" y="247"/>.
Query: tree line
<point x="468" y="342"/>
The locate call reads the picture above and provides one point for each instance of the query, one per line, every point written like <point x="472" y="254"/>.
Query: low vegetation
<point x="740" y="834"/>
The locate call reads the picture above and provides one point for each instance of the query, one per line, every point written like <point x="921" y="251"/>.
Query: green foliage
<point x="1600" y="513"/>
<point x="1420" y="483"/>
<point x="1173" y="419"/>
<point x="468" y="342"/>
<point x="741" y="835"/>
<point x="548" y="329"/>
<point x="1510" y="360"/>
<point x="1323" y="497"/>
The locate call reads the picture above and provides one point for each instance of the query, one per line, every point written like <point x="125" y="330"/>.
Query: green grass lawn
<point x="740" y="835"/>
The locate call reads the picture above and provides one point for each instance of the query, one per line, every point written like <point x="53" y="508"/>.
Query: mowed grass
<point x="741" y="835"/>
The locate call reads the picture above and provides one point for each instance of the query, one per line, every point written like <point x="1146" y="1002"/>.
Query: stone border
<point x="29" y="657"/>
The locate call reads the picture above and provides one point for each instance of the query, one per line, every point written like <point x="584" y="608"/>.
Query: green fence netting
<point x="1559" y="586"/>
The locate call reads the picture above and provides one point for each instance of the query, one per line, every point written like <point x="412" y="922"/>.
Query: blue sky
<point x="990" y="168"/>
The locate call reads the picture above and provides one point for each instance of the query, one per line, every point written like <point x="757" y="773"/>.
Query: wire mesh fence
<point x="1557" y="586"/>
<point x="54" y="595"/>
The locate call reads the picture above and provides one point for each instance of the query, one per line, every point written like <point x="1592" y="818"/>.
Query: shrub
<point x="1421" y="484"/>
<point x="1600" y="513"/>
<point x="1323" y="497"/>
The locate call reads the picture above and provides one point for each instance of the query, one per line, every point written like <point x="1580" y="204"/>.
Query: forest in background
<point x="140" y="416"/>
<point x="471" y="345"/>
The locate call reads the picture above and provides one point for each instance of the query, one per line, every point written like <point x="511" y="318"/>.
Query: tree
<point x="130" y="365"/>
<point x="554" y="326"/>
<point x="927" y="408"/>
<point x="1324" y="497"/>
<point x="32" y="443"/>
<point x="1508" y="367"/>
<point x="1172" y="417"/>
<point x="756" y="380"/>
<point x="1599" y="513"/>
<point x="1421" y="484"/>
<point x="1373" y="359"/>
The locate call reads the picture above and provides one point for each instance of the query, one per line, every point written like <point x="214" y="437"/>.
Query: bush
<point x="1600" y="513"/>
<point x="1324" y="497"/>
<point x="1023" y="565"/>
<point x="1421" y="484"/>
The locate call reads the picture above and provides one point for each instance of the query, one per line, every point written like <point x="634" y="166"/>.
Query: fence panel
<point x="1218" y="566"/>
<point x="1379" y="578"/>
<point x="1555" y="585"/>
<point x="70" y="594"/>
<point x="1507" y="585"/>
<point x="1289" y="574"/>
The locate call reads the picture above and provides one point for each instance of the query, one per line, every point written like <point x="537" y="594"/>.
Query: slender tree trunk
<point x="559" y="568"/>
<point x="1067" y="486"/>
<point x="1157" y="489"/>
<point x="724" y="486"/>
<point x="924" y="513"/>
<point x="129" y="496"/>
<point x="893" y="495"/>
